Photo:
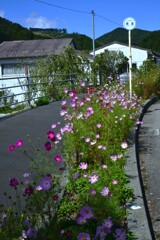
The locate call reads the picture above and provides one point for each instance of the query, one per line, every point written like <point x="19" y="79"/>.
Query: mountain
<point x="10" y="31"/>
<point x="121" y="35"/>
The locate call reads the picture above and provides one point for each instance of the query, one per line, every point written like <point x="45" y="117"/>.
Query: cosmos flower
<point x="86" y="212"/>
<point x="83" y="165"/>
<point x="124" y="145"/>
<point x="45" y="183"/>
<point x="93" y="178"/>
<point x="19" y="143"/>
<point x="13" y="182"/>
<point x="105" y="191"/>
<point x="51" y="135"/>
<point x="107" y="223"/>
<point x="28" y="191"/>
<point x="83" y="236"/>
<point x="58" y="158"/>
<point x="48" y="146"/>
<point x="11" y="148"/>
<point x="92" y="192"/>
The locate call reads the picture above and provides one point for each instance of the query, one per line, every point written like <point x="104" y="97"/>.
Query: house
<point x="17" y="57"/>
<point x="139" y="55"/>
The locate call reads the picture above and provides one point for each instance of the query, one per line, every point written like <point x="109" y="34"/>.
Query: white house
<point x="17" y="57"/>
<point x="139" y="55"/>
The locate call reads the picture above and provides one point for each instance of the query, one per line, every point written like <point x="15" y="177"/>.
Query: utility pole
<point x="93" y="32"/>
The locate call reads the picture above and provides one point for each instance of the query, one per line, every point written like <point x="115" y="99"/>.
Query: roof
<point x="33" y="48"/>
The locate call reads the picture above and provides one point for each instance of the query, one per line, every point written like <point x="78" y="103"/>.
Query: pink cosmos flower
<point x="87" y="139"/>
<point x="104" y="166"/>
<point x="19" y="143"/>
<point x="92" y="192"/>
<point x="93" y="178"/>
<point x="105" y="191"/>
<point x="39" y="188"/>
<point x="58" y="158"/>
<point x="82" y="84"/>
<point x="83" y="165"/>
<point x="124" y="145"/>
<point x="99" y="125"/>
<point x="113" y="158"/>
<point x="114" y="182"/>
<point x="53" y="125"/>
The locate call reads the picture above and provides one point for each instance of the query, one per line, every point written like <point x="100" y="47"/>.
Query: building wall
<point x="138" y="55"/>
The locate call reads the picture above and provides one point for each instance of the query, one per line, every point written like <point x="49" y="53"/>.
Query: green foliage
<point x="152" y="41"/>
<point x="12" y="31"/>
<point x="121" y="35"/>
<point x="59" y="72"/>
<point x="146" y="80"/>
<point x="42" y="101"/>
<point x="109" y="64"/>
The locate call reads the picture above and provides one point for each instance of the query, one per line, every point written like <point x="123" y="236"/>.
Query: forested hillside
<point x="12" y="31"/>
<point x="121" y="35"/>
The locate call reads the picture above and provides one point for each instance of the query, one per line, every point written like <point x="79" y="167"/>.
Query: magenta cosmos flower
<point x="51" y="135"/>
<point x="58" y="158"/>
<point x="93" y="178"/>
<point x="11" y="148"/>
<point x="83" y="236"/>
<point x="45" y="183"/>
<point x="48" y="146"/>
<point x="19" y="143"/>
<point x="28" y="191"/>
<point x="13" y="182"/>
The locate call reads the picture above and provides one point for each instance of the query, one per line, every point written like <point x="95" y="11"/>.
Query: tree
<point x="56" y="72"/>
<point x="109" y="64"/>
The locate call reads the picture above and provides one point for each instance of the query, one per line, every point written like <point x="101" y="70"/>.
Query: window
<point x="12" y="69"/>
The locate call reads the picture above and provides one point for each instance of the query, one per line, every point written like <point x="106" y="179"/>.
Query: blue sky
<point x="75" y="15"/>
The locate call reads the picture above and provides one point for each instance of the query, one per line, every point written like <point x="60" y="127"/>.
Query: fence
<point x="15" y="91"/>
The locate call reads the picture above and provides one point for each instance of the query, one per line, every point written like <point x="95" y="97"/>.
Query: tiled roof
<point x="33" y="48"/>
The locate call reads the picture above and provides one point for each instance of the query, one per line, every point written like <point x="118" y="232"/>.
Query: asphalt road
<point x="35" y="123"/>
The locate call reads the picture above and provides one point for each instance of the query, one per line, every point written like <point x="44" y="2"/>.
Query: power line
<point x="75" y="10"/>
<point x="109" y="20"/>
<point x="68" y="9"/>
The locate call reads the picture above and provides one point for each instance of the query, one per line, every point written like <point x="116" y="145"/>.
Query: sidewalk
<point x="142" y="160"/>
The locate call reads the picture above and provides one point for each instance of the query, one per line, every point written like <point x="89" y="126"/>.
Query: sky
<point x="79" y="15"/>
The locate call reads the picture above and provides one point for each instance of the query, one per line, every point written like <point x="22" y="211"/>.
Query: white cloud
<point x="40" y="22"/>
<point x="2" y="13"/>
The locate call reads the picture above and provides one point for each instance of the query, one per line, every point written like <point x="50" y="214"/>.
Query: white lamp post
<point x="129" y="24"/>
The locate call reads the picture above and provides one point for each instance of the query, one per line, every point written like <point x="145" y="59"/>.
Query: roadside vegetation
<point x="98" y="118"/>
<point x="92" y="205"/>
